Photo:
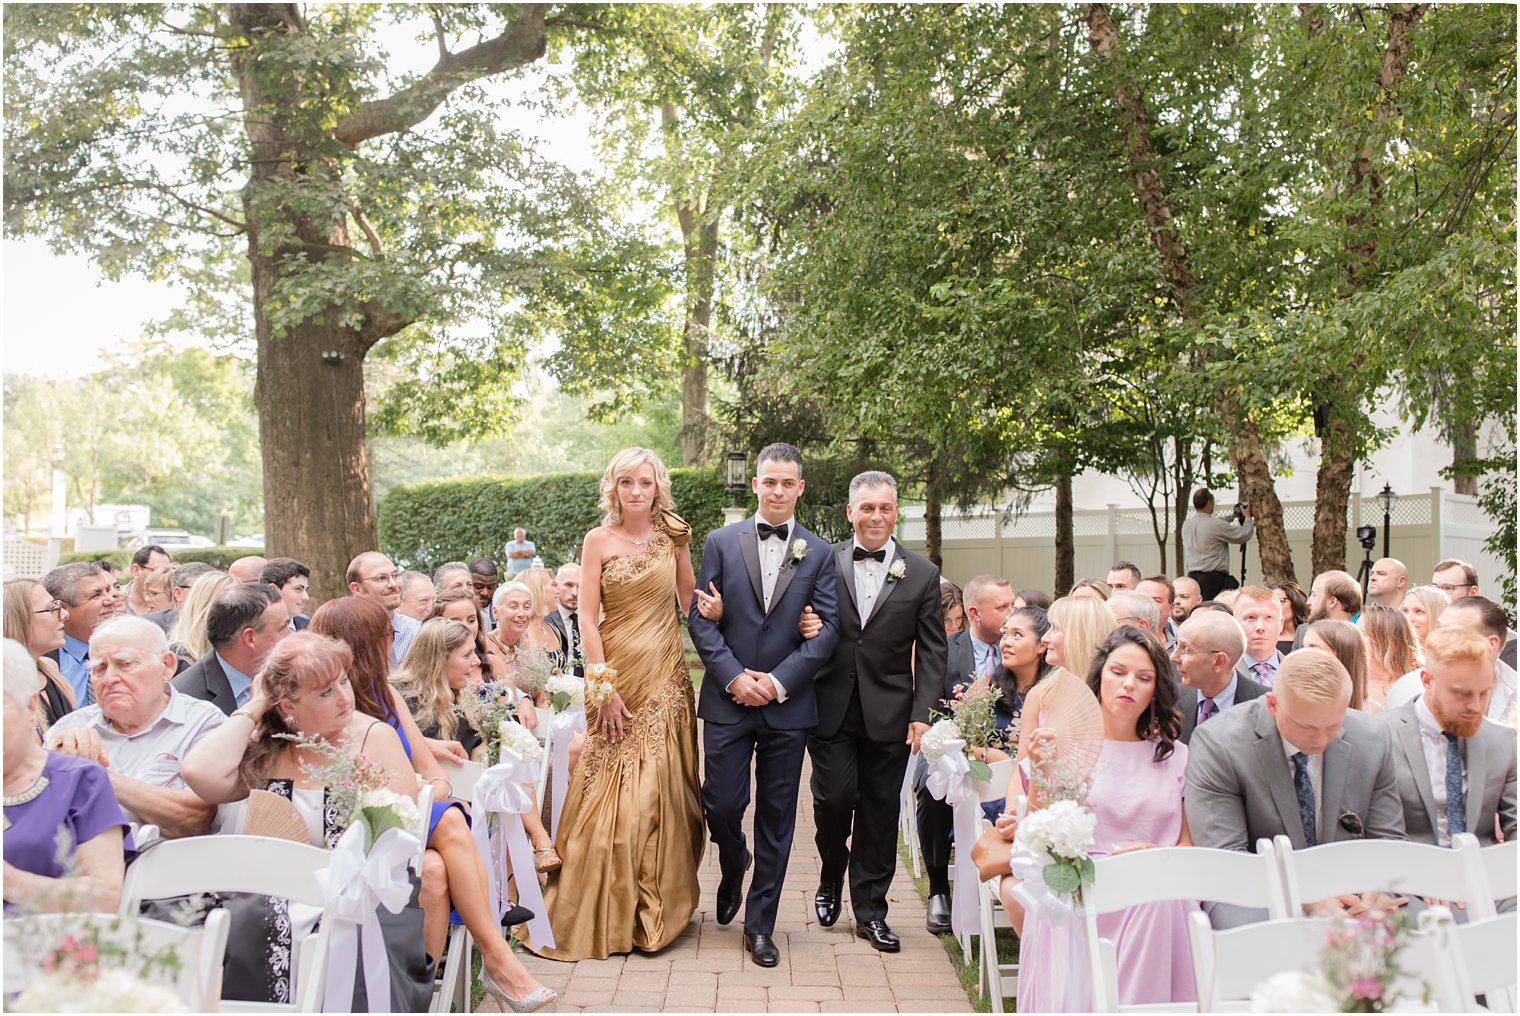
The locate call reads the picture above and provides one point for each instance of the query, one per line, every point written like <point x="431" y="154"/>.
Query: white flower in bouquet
<point x="1294" y="991"/>
<point x="566" y="691"/>
<point x="520" y="739"/>
<point x="385" y="809"/>
<point x="110" y="991"/>
<point x="1065" y="829"/>
<point x="932" y="744"/>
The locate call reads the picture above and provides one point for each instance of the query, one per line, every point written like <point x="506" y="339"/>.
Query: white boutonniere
<point x="799" y="551"/>
<point x="898" y="570"/>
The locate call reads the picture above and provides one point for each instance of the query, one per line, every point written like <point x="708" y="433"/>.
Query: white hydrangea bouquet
<point x="566" y="691"/>
<point x="1060" y="835"/>
<point x="515" y="737"/>
<point x="106" y="991"/>
<point x="381" y="809"/>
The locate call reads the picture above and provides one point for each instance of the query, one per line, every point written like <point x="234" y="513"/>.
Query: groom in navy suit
<point x="757" y="691"/>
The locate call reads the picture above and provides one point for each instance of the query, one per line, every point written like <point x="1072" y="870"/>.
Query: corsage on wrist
<point x="599" y="686"/>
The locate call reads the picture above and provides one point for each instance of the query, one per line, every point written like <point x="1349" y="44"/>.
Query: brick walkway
<point x="821" y="970"/>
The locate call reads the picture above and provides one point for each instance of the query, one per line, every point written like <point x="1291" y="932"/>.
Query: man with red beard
<point x="1456" y="769"/>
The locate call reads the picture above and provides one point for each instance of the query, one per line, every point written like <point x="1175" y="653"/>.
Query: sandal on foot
<point x="546" y="859"/>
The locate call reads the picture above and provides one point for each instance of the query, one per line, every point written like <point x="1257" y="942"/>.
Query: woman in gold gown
<point x="631" y="834"/>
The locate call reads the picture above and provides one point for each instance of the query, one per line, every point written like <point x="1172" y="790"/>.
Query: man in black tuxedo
<point x="1209" y="645"/>
<point x="871" y="712"/>
<point x="757" y="701"/>
<point x="244" y="623"/>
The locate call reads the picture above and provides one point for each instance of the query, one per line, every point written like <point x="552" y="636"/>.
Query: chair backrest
<point x="1483" y="958"/>
<point x="195" y="979"/>
<point x="1494" y="869"/>
<point x="1358" y="866"/>
<point x="1229" y="965"/>
<point x="226" y="864"/>
<point x="996" y="788"/>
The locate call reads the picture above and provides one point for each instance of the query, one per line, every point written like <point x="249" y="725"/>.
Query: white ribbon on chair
<point x="562" y="730"/>
<point x="950" y="781"/>
<point x="506" y="789"/>
<point x="1057" y="911"/>
<point x="353" y="885"/>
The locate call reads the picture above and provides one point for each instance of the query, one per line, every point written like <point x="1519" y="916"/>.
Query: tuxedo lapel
<point x="1409" y="743"/>
<point x="751" y="551"/>
<point x="788" y="568"/>
<point x="888" y="585"/>
<point x="845" y="568"/>
<point x="1274" y="769"/>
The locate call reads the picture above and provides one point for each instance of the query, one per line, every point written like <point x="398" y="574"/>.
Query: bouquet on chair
<point x="972" y="722"/>
<point x="485" y="706"/>
<point x="356" y="789"/>
<point x="1358" y="970"/>
<point x="1057" y="838"/>
<point x="566" y="691"/>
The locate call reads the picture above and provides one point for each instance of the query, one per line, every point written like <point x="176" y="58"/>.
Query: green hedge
<point x="422" y="525"/>
<point x="121" y="560"/>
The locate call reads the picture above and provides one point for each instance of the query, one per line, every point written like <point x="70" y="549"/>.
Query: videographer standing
<point x="1206" y="543"/>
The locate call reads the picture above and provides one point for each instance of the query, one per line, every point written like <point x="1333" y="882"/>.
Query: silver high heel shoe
<point x="532" y="1002"/>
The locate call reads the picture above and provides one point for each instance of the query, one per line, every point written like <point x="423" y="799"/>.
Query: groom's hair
<point x="780" y="452"/>
<point x="871" y="478"/>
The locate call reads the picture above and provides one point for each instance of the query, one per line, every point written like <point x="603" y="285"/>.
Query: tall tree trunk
<point x="1247" y="450"/>
<point x="1339" y="401"/>
<point x="1182" y="480"/>
<point x="1066" y="545"/>
<point x="1463" y="450"/>
<point x="698" y="219"/>
<point x="933" y="516"/>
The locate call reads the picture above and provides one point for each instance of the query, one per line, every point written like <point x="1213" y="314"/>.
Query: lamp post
<point x="736" y="484"/>
<point x="1386" y="498"/>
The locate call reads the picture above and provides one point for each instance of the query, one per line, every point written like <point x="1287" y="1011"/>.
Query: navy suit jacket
<point x="749" y="637"/>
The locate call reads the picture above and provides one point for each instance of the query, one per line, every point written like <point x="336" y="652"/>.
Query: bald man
<point x="247" y="569"/>
<point x="1388" y="582"/>
<point x="1209" y="645"/>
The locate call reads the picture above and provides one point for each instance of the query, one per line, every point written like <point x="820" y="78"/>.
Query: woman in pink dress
<point x="1136" y="795"/>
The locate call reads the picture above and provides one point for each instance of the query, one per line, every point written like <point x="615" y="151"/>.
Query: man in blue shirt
<point x="520" y="552"/>
<point x="92" y="597"/>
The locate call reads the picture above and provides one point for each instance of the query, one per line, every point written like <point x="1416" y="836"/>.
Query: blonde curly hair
<point x="623" y="464"/>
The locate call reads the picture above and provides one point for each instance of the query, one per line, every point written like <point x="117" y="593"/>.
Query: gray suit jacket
<point x="1490" y="778"/>
<point x="1246" y="690"/>
<point x="1240" y="784"/>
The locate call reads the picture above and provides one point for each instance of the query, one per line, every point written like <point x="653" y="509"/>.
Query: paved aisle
<point x="821" y="970"/>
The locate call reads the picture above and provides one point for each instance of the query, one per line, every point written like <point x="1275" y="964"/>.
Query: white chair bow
<point x="353" y="886"/>
<point x="950" y="781"/>
<point x="504" y="789"/>
<point x="563" y="726"/>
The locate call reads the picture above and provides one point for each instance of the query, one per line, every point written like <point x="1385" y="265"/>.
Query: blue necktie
<point x="1456" y="808"/>
<point x="1304" y="790"/>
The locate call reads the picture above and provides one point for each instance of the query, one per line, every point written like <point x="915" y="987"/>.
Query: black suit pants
<point x="856" y="788"/>
<point x="936" y="821"/>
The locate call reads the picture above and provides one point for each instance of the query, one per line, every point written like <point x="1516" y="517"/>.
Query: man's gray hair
<point x="410" y="579"/>
<point x="1137" y="605"/>
<point x="62" y="583"/>
<point x="138" y="631"/>
<point x="871" y="478"/>
<point x="447" y="567"/>
<point x="22" y="678"/>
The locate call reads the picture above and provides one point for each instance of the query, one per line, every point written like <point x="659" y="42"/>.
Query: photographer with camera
<point x="1206" y="543"/>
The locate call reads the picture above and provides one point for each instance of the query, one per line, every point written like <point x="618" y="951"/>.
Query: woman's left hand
<point x="527" y="713"/>
<point x="1006" y="825"/>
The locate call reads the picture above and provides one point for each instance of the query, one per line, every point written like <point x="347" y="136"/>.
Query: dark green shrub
<point x="120" y="560"/>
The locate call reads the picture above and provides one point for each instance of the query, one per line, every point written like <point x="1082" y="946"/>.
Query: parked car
<point x="169" y="539"/>
<point x="255" y="541"/>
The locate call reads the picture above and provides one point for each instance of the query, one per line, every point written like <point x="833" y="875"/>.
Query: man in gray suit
<point x="1209" y="645"/>
<point x="1258" y="615"/>
<point x="1294" y="762"/>
<point x="1456" y="771"/>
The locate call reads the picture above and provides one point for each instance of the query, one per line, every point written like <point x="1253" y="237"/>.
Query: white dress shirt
<point x="871" y="578"/>
<point x="773" y="557"/>
<point x="1434" y="743"/>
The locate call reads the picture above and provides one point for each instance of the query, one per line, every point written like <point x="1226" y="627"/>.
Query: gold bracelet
<point x="244" y="712"/>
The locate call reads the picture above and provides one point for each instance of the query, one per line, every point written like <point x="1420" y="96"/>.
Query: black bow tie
<point x="862" y="553"/>
<point x="767" y="531"/>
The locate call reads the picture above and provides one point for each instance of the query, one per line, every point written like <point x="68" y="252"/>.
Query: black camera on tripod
<point x="1239" y="514"/>
<point x="1366" y="536"/>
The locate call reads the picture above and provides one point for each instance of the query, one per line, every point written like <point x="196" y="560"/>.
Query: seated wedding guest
<point x="1226" y="599"/>
<point x="140" y="728"/>
<point x="460" y="604"/>
<point x="35" y="619"/>
<point x="371" y="576"/>
<point x="1334" y="596"/>
<point x="305" y="689"/>
<point x="452" y="869"/>
<point x="1456" y="772"/>
<point x="1134" y="608"/>
<point x="1123" y="575"/>
<point x="517" y="608"/>
<point x="452" y="575"/>
<point x="1297" y="762"/>
<point x="1136" y="795"/>
<point x="1387" y="582"/>
<point x="539" y="633"/>
<point x="247" y="569"/>
<point x="952" y="605"/>
<point x="1209" y="645"/>
<point x="1482" y="617"/>
<point x="145" y="561"/>
<point x="188" y="636"/>
<point x="293" y="581"/>
<point x="1078" y="626"/>
<point x="48" y="795"/>
<point x="157" y="589"/>
<point x="181" y="580"/>
<point x="1164" y="595"/>
<point x="1422" y="606"/>
<point x="440" y="664"/>
<point x="417" y="595"/>
<point x="245" y="622"/>
<point x="92" y="598"/>
<point x="1092" y="589"/>
<point x="1391" y="649"/>
<point x="1294" y="607"/>
<point x="1346" y="643"/>
<point x="1260" y="618"/>
<point x="483" y="579"/>
<point x="1032" y="598"/>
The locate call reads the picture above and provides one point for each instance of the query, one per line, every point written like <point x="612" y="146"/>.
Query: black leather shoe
<point x="939" y="915"/>
<point x="879" y="935"/>
<point x="762" y="949"/>
<point x="731" y="893"/>
<point x="826" y="902"/>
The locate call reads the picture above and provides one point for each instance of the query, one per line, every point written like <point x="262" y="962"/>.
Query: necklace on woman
<point x="638" y="543"/>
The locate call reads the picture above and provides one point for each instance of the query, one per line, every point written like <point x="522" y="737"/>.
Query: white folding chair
<point x="241" y="864"/>
<point x="907" y="818"/>
<point x="1358" y="866"/>
<point x="196" y="979"/>
<point x="992" y="790"/>
<point x="1482" y="959"/>
<point x="1166" y="874"/>
<point x="451" y="992"/>
<point x="424" y="815"/>
<point x="1496" y="865"/>
<point x="996" y="980"/>
<point x="1228" y="965"/>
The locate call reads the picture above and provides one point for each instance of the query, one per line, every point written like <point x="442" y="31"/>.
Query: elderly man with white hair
<point x="46" y="793"/>
<point x="139" y="727"/>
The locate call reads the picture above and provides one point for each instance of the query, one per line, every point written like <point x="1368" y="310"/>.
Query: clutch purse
<point x="992" y="855"/>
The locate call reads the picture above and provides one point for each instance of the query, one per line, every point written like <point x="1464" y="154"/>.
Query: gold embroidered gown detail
<point x="631" y="833"/>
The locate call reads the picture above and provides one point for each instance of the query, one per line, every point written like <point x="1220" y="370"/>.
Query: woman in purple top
<point x="46" y="792"/>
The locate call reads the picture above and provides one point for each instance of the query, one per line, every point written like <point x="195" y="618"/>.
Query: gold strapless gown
<point x="631" y="832"/>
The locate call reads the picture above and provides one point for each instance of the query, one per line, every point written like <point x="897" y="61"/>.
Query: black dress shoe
<point x="762" y="949"/>
<point x="826" y="902"/>
<point x="516" y="915"/>
<point x="731" y="893"/>
<point x="879" y="935"/>
<point x="939" y="914"/>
